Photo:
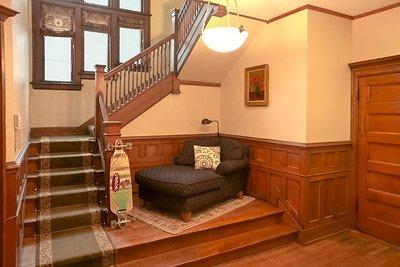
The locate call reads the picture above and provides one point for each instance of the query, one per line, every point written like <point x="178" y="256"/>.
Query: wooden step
<point x="223" y="249"/>
<point x="139" y="240"/>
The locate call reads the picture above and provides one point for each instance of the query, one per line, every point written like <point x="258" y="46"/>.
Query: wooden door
<point x="379" y="156"/>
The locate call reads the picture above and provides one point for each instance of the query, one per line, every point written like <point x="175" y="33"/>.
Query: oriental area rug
<point x="172" y="223"/>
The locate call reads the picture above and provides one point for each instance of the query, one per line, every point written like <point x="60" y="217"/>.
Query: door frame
<point x="361" y="69"/>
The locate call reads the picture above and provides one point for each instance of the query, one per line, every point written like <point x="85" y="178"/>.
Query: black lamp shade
<point x="206" y="121"/>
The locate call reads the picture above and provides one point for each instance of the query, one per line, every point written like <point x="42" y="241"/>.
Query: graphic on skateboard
<point x="120" y="185"/>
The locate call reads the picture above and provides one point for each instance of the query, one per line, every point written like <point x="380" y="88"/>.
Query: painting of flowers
<point x="256" y="86"/>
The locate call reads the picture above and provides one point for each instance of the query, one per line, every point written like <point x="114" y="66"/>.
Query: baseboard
<point x="311" y="235"/>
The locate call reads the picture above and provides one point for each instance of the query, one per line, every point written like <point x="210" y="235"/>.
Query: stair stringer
<point x="146" y="100"/>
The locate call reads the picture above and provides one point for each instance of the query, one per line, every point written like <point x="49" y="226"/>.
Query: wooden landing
<point x="249" y="229"/>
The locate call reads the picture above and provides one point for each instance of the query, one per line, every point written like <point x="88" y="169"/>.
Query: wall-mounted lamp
<point x="208" y="121"/>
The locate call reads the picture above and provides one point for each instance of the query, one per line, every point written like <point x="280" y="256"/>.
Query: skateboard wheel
<point x="114" y="224"/>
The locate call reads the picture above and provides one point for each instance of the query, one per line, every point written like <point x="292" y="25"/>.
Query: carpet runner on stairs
<point x="69" y="216"/>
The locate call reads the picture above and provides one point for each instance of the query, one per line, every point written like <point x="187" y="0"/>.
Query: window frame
<point x="118" y="18"/>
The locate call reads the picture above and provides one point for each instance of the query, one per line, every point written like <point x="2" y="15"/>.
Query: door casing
<point x="361" y="69"/>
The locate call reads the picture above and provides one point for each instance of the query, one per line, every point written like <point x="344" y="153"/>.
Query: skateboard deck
<point x="120" y="183"/>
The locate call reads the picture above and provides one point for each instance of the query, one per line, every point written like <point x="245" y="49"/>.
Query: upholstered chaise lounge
<point x="181" y="188"/>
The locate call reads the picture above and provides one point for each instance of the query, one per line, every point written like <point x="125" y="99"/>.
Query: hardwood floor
<point x="349" y="248"/>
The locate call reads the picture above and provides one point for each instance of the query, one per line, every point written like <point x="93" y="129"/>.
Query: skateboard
<point x="120" y="185"/>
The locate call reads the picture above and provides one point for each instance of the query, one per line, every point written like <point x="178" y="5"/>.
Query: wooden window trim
<point x="79" y="6"/>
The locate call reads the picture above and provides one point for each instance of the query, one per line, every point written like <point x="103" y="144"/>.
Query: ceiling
<point x="267" y="9"/>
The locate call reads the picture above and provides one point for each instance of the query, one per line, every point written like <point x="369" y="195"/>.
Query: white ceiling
<point x="267" y="9"/>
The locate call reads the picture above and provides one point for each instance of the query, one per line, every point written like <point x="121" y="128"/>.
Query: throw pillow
<point x="207" y="157"/>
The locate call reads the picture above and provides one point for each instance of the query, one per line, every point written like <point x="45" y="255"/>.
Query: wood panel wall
<point x="15" y="183"/>
<point x="312" y="182"/>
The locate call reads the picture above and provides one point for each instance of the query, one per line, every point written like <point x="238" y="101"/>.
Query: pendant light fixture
<point x="224" y="39"/>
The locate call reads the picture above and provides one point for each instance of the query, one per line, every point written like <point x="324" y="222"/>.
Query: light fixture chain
<point x="237" y="13"/>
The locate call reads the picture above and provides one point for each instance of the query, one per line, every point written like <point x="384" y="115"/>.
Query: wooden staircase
<point x="136" y="85"/>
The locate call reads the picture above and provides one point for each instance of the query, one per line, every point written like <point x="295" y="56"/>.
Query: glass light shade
<point x="224" y="39"/>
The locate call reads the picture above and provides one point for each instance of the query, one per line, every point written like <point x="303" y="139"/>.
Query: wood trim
<point x="6" y="247"/>
<point x="361" y="69"/>
<point x="329" y="12"/>
<point x="376" y="11"/>
<point x="56" y="86"/>
<point x="19" y="159"/>
<point x="284" y="15"/>
<point x="200" y="83"/>
<point x="6" y="13"/>
<point x="314" y="8"/>
<point x="375" y="62"/>
<point x="249" y="17"/>
<point x="178" y="136"/>
<point x="288" y="143"/>
<point x="14" y="205"/>
<point x="322" y="10"/>
<point x="54" y="131"/>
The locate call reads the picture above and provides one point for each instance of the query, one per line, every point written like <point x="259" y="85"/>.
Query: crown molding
<point x="6" y="12"/>
<point x="376" y="11"/>
<point x="321" y="10"/>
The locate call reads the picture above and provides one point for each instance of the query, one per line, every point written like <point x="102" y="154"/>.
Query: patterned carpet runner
<point x="69" y="219"/>
<point x="173" y="224"/>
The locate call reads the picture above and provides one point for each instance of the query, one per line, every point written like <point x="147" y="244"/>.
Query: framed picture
<point x="257" y="86"/>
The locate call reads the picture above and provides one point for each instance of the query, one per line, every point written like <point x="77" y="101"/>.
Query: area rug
<point x="172" y="223"/>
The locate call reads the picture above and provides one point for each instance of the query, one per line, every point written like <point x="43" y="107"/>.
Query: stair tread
<point x="67" y="155"/>
<point x="67" y="171"/>
<point x="72" y="244"/>
<point x="70" y="189"/>
<point x="65" y="138"/>
<point x="64" y="211"/>
<point x="218" y="246"/>
<point x="65" y="190"/>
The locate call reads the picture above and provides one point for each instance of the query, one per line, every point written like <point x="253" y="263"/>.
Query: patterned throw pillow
<point x="207" y="157"/>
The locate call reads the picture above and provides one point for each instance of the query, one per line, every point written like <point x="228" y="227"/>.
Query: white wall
<point x="17" y="61"/>
<point x="179" y="114"/>
<point x="282" y="45"/>
<point x="328" y="97"/>
<point x="376" y="36"/>
<point x="52" y="108"/>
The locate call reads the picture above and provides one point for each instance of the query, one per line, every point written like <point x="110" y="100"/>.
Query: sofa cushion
<point x="230" y="149"/>
<point x="207" y="157"/>
<point x="186" y="156"/>
<point x="178" y="180"/>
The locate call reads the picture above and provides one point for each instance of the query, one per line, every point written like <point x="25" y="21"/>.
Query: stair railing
<point x="189" y="23"/>
<point x="125" y="82"/>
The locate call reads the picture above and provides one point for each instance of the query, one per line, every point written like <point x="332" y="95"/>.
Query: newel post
<point x="100" y="87"/>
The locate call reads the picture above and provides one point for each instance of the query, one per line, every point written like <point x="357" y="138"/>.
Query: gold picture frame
<point x="257" y="86"/>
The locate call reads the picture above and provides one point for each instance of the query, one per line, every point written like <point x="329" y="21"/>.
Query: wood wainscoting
<point x="15" y="183"/>
<point x="313" y="182"/>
